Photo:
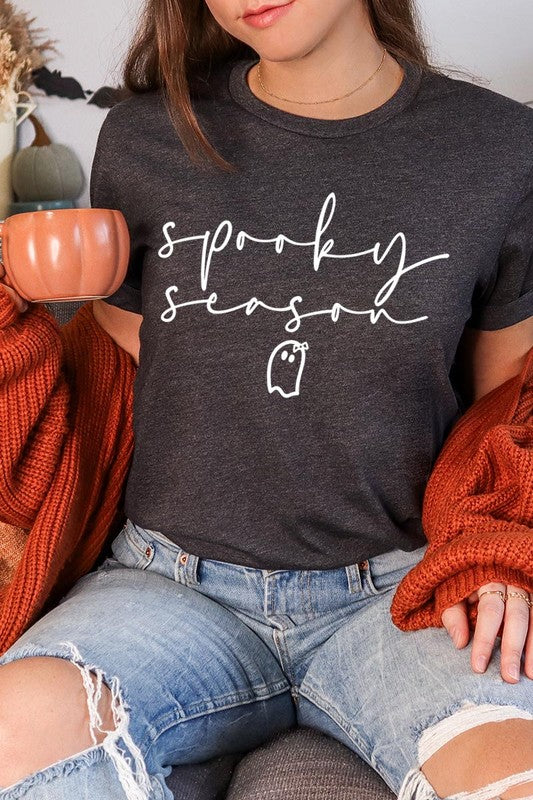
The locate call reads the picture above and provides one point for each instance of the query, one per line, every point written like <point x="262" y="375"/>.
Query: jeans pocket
<point x="383" y="583"/>
<point x="384" y="572"/>
<point x="131" y="548"/>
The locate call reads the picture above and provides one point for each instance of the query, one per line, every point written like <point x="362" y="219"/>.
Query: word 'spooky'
<point x="321" y="251"/>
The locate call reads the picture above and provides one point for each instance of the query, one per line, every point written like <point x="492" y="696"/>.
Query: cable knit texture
<point x="66" y="443"/>
<point x="478" y="508"/>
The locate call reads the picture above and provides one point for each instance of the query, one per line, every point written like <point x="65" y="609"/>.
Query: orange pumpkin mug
<point x="65" y="254"/>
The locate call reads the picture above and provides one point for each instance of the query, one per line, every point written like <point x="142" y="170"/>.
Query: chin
<point x="282" y="50"/>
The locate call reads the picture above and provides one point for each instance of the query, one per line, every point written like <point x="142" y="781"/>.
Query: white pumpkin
<point x="46" y="170"/>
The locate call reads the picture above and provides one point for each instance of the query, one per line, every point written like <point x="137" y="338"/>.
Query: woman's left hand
<point x="517" y="630"/>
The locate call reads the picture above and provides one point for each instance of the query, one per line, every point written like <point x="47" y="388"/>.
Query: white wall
<point x="491" y="38"/>
<point x="92" y="36"/>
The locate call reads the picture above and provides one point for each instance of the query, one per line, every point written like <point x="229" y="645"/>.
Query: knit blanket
<point x="66" y="443"/>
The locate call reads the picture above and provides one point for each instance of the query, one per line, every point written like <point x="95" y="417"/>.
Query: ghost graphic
<point x="286" y="365"/>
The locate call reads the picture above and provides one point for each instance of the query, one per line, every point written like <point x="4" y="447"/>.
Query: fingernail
<point x="24" y="308"/>
<point x="514" y="672"/>
<point x="455" y="636"/>
<point x="481" y="663"/>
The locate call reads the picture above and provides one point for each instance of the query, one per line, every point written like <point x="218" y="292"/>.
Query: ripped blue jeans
<point x="206" y="657"/>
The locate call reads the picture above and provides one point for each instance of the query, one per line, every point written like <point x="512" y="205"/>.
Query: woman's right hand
<point x="19" y="301"/>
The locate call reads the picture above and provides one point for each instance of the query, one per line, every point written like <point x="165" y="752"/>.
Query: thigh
<point x="198" y="682"/>
<point x="377" y="688"/>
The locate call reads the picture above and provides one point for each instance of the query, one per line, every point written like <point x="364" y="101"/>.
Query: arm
<point x="478" y="507"/>
<point x="485" y="359"/>
<point x="34" y="406"/>
<point x="120" y="314"/>
<point x="488" y="359"/>
<point x="123" y="326"/>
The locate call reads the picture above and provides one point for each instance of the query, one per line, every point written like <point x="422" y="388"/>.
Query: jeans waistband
<point x="350" y="577"/>
<point x="187" y="566"/>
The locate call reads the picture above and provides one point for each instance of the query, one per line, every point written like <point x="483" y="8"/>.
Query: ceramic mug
<point x="65" y="254"/>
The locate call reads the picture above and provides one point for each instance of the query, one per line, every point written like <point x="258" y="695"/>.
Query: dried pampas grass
<point x="11" y="67"/>
<point x="20" y="54"/>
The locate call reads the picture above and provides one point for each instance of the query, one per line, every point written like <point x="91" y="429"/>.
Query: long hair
<point x="178" y="42"/>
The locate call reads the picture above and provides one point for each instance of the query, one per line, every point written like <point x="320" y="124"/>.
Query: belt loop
<point x="353" y="576"/>
<point x="186" y="568"/>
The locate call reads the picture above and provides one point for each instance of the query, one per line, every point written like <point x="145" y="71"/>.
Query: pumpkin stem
<point x="41" y="137"/>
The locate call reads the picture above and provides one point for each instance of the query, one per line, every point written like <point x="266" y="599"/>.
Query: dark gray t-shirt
<point x="301" y="315"/>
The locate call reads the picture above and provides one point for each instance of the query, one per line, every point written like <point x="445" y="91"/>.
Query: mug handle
<point x="1" y="247"/>
<point x="29" y="107"/>
<point x="6" y="279"/>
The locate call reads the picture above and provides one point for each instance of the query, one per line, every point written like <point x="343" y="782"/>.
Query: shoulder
<point x="144" y="107"/>
<point x="494" y="124"/>
<point x="131" y="129"/>
<point x="475" y="101"/>
<point x="134" y="110"/>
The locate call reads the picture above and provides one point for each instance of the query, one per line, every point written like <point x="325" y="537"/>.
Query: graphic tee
<point x="301" y="313"/>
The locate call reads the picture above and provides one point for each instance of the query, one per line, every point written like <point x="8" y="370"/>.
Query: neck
<point x="337" y="65"/>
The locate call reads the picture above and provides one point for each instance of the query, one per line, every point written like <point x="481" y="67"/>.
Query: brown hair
<point x="178" y="42"/>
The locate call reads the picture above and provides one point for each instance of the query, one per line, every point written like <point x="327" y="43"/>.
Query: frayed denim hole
<point x="63" y="767"/>
<point x="136" y="784"/>
<point x="419" y="727"/>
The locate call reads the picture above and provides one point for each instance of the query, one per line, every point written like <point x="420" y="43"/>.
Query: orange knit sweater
<point x="66" y="442"/>
<point x="477" y="512"/>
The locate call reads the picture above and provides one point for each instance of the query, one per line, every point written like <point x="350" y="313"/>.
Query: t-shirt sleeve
<point x="508" y="297"/>
<point x="105" y="191"/>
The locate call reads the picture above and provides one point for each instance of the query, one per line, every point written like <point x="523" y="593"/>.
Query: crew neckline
<point x="242" y="94"/>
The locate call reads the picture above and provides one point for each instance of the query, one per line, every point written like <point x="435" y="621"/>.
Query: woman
<point x="336" y="225"/>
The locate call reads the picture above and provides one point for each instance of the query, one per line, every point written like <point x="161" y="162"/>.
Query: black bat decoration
<point x="54" y="83"/>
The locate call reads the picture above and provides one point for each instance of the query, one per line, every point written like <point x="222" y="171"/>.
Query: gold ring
<point x="523" y="596"/>
<point x="493" y="591"/>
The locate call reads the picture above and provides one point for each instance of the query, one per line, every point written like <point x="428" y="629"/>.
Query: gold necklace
<point x="317" y="102"/>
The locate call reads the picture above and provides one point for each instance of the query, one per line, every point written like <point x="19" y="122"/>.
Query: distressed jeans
<point x="206" y="657"/>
